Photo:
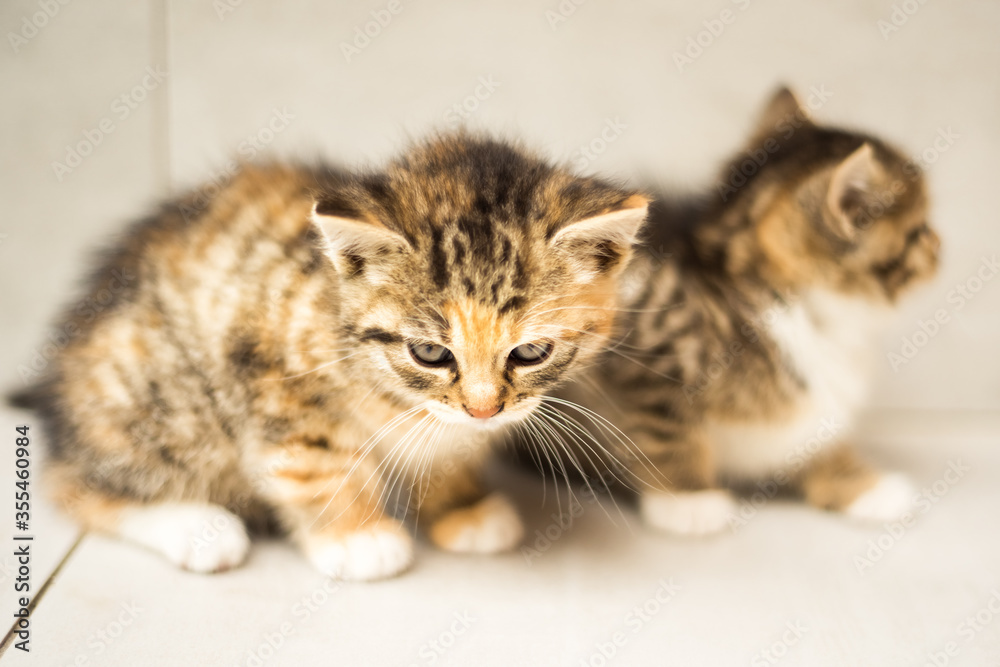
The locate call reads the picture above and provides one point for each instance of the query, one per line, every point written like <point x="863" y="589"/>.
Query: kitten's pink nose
<point x="484" y="414"/>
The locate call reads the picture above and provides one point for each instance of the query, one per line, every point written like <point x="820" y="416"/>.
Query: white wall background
<point x="557" y="83"/>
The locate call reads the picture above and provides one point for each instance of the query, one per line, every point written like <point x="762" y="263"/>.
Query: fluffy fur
<point x="749" y="319"/>
<point x="261" y="362"/>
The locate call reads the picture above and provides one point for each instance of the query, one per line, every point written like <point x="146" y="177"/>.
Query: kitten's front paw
<point x="890" y="498"/>
<point x="195" y="536"/>
<point x="688" y="512"/>
<point x="490" y="526"/>
<point x="376" y="552"/>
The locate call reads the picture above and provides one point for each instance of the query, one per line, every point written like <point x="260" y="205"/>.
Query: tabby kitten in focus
<point x="750" y="321"/>
<point x="292" y="346"/>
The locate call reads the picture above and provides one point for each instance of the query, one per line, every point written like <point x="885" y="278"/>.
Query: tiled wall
<point x="205" y="81"/>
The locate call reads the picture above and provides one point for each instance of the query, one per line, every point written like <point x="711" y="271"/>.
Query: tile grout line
<point x="160" y="52"/>
<point x="35" y="601"/>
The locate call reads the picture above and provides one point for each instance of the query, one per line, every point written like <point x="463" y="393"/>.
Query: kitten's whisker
<point x="602" y="341"/>
<point x="361" y="401"/>
<point x="553" y="429"/>
<point x="605" y="308"/>
<point x="565" y="420"/>
<point x="415" y="479"/>
<point x="394" y="457"/>
<point x="413" y="475"/>
<point x="538" y="438"/>
<point x="318" y="368"/>
<point x="363" y="451"/>
<point x="642" y="365"/>
<point x="428" y="433"/>
<point x="519" y="429"/>
<point x="608" y="427"/>
<point x="401" y="443"/>
<point x="417" y="442"/>
<point x="361" y="455"/>
<point x="425" y="464"/>
<point x="533" y="451"/>
<point x="596" y="389"/>
<point x="585" y="438"/>
<point x="532" y="311"/>
<point x="541" y="426"/>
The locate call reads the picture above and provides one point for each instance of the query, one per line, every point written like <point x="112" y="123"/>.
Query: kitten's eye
<point x="916" y="233"/>
<point x="530" y="353"/>
<point x="431" y="355"/>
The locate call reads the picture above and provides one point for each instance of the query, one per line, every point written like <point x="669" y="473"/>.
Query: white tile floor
<point x="809" y="587"/>
<point x="228" y="74"/>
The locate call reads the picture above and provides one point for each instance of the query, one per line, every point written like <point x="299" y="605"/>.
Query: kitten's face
<point x="894" y="245"/>
<point x="480" y="362"/>
<point x="844" y="210"/>
<point x="475" y="277"/>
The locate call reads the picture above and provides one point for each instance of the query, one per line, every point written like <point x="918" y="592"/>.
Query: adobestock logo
<point x="899" y="17"/>
<point x="248" y="149"/>
<point x="463" y="110"/>
<point x="562" y="12"/>
<point x="923" y="502"/>
<point x="700" y="42"/>
<point x="634" y="621"/>
<point x="595" y="148"/>
<point x="364" y="34"/>
<point x="927" y="329"/>
<point x="31" y="26"/>
<point x="121" y="108"/>
<point x="433" y="649"/>
<point x="779" y="648"/>
<point x="116" y="281"/>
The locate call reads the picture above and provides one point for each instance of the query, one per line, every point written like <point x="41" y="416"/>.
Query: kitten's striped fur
<point x="257" y="367"/>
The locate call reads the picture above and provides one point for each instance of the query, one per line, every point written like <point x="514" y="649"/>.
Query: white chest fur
<point x="827" y="338"/>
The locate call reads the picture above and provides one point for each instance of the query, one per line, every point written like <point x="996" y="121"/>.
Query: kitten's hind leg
<point x="201" y="537"/>
<point x="838" y="480"/>
<point x="682" y="496"/>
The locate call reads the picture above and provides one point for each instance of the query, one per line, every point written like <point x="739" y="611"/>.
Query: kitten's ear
<point x="352" y="237"/>
<point x="783" y="106"/>
<point x="601" y="242"/>
<point x="852" y="182"/>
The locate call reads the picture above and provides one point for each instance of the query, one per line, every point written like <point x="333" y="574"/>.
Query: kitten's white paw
<point x="890" y="498"/>
<point x="375" y="552"/>
<point x="490" y="526"/>
<point x="195" y="536"/>
<point x="688" y="512"/>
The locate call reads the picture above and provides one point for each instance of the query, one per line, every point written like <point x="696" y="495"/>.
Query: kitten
<point x="749" y="322"/>
<point x="292" y="346"/>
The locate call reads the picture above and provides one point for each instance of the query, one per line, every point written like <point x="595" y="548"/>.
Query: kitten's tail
<point x="28" y="398"/>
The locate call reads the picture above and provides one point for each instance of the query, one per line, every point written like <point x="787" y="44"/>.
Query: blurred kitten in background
<point x="750" y="318"/>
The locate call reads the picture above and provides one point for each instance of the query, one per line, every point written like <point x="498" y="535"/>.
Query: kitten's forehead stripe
<point x="439" y="261"/>
<point x="512" y="304"/>
<point x="380" y="336"/>
<point x="458" y="251"/>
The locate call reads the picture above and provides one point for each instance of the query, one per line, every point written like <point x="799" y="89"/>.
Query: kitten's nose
<point x="935" y="240"/>
<point x="483" y="414"/>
